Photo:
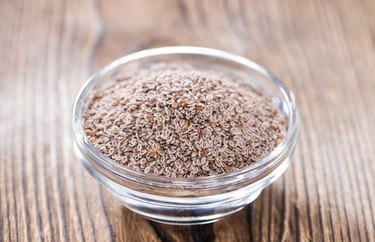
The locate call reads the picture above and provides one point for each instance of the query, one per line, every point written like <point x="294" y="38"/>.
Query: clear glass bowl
<point x="187" y="200"/>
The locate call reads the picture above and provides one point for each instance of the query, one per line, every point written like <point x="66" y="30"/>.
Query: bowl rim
<point x="249" y="172"/>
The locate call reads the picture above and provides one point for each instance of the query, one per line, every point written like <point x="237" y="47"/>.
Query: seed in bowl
<point x="178" y="121"/>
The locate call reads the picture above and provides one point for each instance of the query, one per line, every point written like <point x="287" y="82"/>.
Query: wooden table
<point x="323" y="50"/>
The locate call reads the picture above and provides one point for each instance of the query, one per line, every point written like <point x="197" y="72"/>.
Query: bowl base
<point x="192" y="220"/>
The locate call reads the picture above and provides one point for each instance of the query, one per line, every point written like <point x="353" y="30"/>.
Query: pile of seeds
<point x="177" y="121"/>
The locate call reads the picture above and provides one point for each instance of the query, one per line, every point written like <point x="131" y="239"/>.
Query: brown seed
<point x="227" y="169"/>
<point x="97" y="96"/>
<point x="213" y="125"/>
<point x="90" y="133"/>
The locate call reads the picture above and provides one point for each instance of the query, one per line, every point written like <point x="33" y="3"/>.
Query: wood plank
<point x="323" y="50"/>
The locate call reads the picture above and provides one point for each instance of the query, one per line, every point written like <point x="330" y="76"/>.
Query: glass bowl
<point x="187" y="200"/>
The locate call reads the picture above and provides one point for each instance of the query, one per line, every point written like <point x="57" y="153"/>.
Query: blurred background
<point x="324" y="51"/>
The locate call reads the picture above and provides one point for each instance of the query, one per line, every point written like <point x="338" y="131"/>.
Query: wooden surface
<point x="323" y="50"/>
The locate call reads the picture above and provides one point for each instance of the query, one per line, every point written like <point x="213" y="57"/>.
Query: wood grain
<point x="323" y="50"/>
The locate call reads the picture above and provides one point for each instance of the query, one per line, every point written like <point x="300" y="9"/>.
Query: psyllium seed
<point x="177" y="121"/>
